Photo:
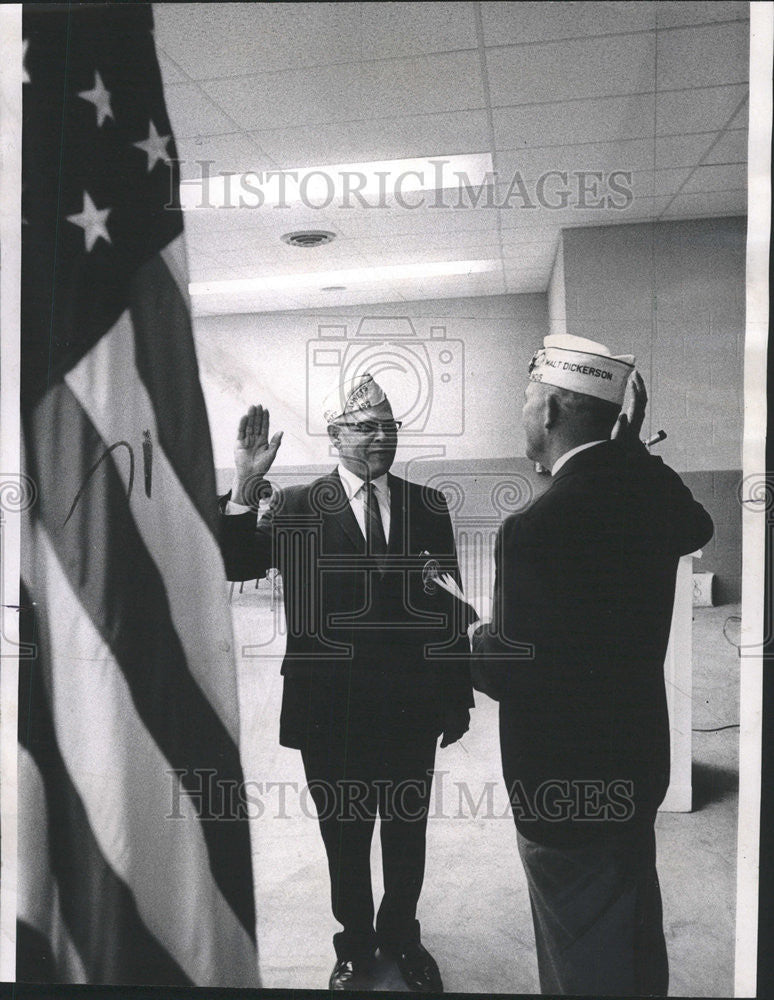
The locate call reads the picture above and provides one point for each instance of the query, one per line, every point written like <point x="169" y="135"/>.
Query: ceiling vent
<point x="308" y="238"/>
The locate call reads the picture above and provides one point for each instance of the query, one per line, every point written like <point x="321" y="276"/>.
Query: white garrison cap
<point x="359" y="393"/>
<point x="582" y="366"/>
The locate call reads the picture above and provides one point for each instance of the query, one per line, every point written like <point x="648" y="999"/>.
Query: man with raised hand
<point x="582" y="607"/>
<point x="375" y="669"/>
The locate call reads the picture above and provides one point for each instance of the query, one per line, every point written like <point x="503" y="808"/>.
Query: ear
<point x="550" y="411"/>
<point x="333" y="434"/>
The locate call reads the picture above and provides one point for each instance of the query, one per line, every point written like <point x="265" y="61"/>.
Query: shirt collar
<point x="352" y="483"/>
<point x="569" y="454"/>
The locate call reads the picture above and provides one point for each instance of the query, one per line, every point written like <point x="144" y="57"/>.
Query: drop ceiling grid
<point x="337" y="82"/>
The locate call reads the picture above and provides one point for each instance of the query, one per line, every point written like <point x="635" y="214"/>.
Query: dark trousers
<point x="350" y="786"/>
<point x="597" y="916"/>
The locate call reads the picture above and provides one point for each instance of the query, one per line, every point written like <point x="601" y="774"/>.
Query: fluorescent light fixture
<point x="348" y="185"/>
<point x="318" y="279"/>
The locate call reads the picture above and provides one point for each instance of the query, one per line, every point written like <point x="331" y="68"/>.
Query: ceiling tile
<point x="705" y="205"/>
<point x="538" y="256"/>
<point x="395" y="221"/>
<point x="624" y="64"/>
<point x="702" y="57"/>
<point x="401" y="29"/>
<point x="630" y="154"/>
<point x="741" y="118"/>
<point x="307" y="145"/>
<point x="704" y="109"/>
<point x="519" y="227"/>
<point x="224" y="304"/>
<point x="230" y="223"/>
<point x="210" y="40"/>
<point x="457" y="286"/>
<point x="317" y="84"/>
<point x="395" y="87"/>
<point x="193" y="114"/>
<point x="430" y="253"/>
<point x="472" y="245"/>
<point x="170" y="72"/>
<point x="683" y="150"/>
<point x="300" y="97"/>
<point x="525" y="280"/>
<point x="209" y="155"/>
<point x="514" y="23"/>
<point x="443" y="82"/>
<point x="659" y="183"/>
<point x="728" y="177"/>
<point x="670" y="14"/>
<point x="606" y="119"/>
<point x="382" y="138"/>
<point x="730" y="148"/>
<point x="202" y="223"/>
<point x="262" y="254"/>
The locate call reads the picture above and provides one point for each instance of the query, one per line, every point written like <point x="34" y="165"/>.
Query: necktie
<point x="377" y="543"/>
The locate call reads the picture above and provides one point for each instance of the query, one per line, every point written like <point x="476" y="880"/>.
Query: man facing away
<point x="374" y="668"/>
<point x="582" y="608"/>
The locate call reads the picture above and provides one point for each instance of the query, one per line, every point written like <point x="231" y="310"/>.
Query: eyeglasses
<point x="372" y="426"/>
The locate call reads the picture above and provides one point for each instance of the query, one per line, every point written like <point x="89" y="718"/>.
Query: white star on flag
<point x="155" y="146"/>
<point x="99" y="96"/>
<point x="25" y="74"/>
<point x="92" y="221"/>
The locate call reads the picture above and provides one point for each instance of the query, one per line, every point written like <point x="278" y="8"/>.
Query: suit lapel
<point x="341" y="518"/>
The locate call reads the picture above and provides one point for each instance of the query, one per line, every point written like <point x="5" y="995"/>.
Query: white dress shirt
<point x="353" y="487"/>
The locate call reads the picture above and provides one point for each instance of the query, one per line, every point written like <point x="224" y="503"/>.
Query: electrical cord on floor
<point x="732" y="618"/>
<point x="737" y="646"/>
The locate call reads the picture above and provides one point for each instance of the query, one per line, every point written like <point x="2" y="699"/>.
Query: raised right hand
<point x="629" y="423"/>
<point x="254" y="453"/>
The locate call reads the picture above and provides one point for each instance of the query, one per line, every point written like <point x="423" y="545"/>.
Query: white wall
<point x="557" y="305"/>
<point x="265" y="358"/>
<point x="673" y="294"/>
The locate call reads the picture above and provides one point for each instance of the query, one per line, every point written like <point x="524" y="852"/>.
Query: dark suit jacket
<point x="584" y="589"/>
<point x="369" y="654"/>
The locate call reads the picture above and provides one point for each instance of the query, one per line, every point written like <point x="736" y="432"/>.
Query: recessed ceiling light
<point x="334" y="288"/>
<point x="307" y="238"/>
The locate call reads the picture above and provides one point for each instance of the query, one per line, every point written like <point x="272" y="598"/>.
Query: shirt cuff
<point x="474" y="627"/>
<point x="236" y="508"/>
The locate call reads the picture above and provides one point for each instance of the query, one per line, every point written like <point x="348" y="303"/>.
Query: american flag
<point x="134" y="852"/>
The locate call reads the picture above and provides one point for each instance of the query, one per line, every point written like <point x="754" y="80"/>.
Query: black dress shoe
<point x="418" y="967"/>
<point x="348" y="974"/>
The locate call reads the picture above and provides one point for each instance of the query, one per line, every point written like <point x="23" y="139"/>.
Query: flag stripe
<point x="35" y="961"/>
<point x="185" y="553"/>
<point x="120" y="588"/>
<point x="209" y="945"/>
<point x="113" y="942"/>
<point x="139" y="691"/>
<point x="175" y="256"/>
<point x="166" y="358"/>
<point x="46" y="949"/>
